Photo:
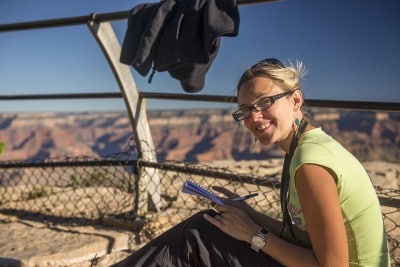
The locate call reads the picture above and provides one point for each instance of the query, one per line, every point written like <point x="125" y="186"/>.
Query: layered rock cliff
<point x="186" y="135"/>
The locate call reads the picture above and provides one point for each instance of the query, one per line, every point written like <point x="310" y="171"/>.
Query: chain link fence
<point x="108" y="191"/>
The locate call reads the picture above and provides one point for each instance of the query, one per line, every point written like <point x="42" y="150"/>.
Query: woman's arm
<point x="316" y="188"/>
<point x="320" y="205"/>
<point x="318" y="196"/>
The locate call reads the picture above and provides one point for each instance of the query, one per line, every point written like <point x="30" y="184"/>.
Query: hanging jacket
<point x="181" y="37"/>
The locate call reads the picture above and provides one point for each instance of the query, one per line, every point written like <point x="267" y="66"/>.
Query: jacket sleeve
<point x="138" y="20"/>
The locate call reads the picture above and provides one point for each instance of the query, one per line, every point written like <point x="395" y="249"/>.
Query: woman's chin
<point x="266" y="141"/>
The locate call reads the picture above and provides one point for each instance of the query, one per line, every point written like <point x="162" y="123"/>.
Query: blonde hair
<point x="286" y="77"/>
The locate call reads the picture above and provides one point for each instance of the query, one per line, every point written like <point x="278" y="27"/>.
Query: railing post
<point x="149" y="180"/>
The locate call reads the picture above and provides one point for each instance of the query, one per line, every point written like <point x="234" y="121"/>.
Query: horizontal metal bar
<point x="189" y="97"/>
<point x="232" y="177"/>
<point x="61" y="96"/>
<point x="71" y="21"/>
<point x="39" y="164"/>
<point x="368" y="105"/>
<point x="389" y="202"/>
<point x="68" y="21"/>
<point x="365" y="105"/>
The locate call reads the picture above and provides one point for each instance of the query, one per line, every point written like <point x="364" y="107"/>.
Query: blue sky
<point x="349" y="47"/>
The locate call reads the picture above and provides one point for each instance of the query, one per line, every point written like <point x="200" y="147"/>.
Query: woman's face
<point x="274" y="124"/>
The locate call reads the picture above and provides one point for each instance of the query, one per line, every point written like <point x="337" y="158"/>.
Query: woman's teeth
<point x="262" y="127"/>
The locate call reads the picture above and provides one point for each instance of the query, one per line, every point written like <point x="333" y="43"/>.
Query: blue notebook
<point x="194" y="188"/>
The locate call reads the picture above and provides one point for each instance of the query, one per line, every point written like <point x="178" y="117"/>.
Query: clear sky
<point x="351" y="49"/>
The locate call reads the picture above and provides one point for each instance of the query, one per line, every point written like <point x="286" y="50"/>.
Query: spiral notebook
<point x="193" y="188"/>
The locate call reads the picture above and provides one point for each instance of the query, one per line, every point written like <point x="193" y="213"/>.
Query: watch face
<point x="257" y="242"/>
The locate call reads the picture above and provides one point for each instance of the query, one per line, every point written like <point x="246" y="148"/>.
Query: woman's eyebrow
<point x="254" y="101"/>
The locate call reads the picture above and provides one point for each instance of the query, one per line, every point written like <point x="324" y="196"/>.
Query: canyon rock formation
<point x="186" y="135"/>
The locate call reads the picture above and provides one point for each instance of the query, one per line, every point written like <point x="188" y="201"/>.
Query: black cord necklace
<point x="284" y="188"/>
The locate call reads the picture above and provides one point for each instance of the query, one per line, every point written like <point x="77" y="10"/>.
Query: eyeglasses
<point x="260" y="105"/>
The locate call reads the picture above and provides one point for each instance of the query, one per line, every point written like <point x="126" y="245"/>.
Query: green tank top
<point x="361" y="210"/>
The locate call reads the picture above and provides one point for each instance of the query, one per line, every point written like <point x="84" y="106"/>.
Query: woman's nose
<point x="255" y="115"/>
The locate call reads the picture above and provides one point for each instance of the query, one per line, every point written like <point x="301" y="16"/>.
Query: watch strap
<point x="262" y="233"/>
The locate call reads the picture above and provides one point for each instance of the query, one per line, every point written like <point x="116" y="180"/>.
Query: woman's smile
<point x="264" y="126"/>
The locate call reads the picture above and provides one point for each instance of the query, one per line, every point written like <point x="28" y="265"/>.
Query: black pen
<point x="244" y="197"/>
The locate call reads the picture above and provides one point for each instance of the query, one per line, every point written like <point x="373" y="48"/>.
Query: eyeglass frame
<point x="254" y="107"/>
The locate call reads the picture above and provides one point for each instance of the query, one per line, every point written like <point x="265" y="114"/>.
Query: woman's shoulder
<point x="315" y="141"/>
<point x="317" y="147"/>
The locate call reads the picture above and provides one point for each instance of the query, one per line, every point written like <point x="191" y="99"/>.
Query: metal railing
<point x="363" y="105"/>
<point x="86" y="180"/>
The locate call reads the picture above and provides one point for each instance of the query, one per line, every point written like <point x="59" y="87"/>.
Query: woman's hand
<point x="234" y="222"/>
<point x="242" y="205"/>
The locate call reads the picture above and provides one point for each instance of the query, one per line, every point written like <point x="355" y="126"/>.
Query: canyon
<point x="198" y="135"/>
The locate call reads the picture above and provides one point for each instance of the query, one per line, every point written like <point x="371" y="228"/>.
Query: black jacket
<point x="181" y="37"/>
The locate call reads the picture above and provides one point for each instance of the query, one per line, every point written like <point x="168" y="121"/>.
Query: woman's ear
<point x="297" y="100"/>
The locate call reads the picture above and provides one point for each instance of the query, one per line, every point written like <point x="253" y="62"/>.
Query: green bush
<point x="86" y="180"/>
<point x="2" y="147"/>
<point x="39" y="191"/>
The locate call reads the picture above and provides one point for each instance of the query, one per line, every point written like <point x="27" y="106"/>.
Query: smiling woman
<point x="331" y="213"/>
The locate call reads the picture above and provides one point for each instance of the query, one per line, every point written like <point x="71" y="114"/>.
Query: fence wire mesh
<point x="120" y="189"/>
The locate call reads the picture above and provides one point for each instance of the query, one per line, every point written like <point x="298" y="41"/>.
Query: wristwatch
<point x="258" y="241"/>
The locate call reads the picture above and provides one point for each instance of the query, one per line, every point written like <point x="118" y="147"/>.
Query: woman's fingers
<point x="223" y="209"/>
<point x="224" y="191"/>
<point x="216" y="220"/>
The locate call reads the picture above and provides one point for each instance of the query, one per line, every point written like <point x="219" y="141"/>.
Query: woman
<point x="331" y="212"/>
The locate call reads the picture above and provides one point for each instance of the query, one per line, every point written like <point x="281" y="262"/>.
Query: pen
<point x="245" y="197"/>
